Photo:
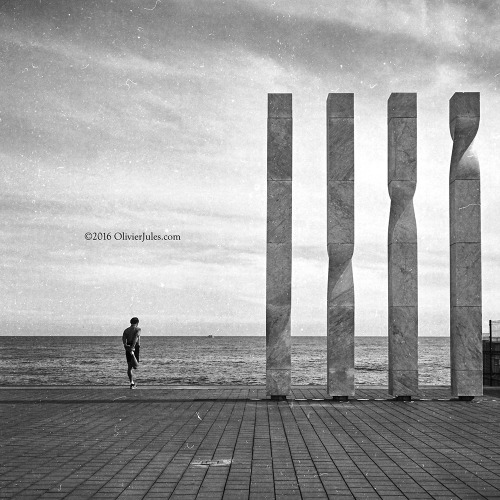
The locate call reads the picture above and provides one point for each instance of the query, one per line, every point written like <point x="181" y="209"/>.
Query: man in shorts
<point x="131" y="341"/>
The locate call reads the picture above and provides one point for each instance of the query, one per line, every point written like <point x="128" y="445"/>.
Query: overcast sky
<point x="151" y="115"/>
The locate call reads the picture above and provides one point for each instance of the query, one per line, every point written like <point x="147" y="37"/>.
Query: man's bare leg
<point x="130" y="376"/>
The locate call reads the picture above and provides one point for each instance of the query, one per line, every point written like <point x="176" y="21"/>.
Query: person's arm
<point x="128" y="348"/>
<point x="136" y="338"/>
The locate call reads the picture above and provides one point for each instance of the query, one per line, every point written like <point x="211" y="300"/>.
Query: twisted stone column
<point x="340" y="241"/>
<point x="279" y="245"/>
<point x="402" y="246"/>
<point x="465" y="249"/>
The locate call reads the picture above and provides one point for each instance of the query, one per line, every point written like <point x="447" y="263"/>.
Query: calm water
<point x="198" y="361"/>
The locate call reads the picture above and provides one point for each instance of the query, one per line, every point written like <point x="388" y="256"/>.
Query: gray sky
<point x="150" y="115"/>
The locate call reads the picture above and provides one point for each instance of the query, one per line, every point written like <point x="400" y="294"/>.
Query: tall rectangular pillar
<point x="465" y="249"/>
<point x="279" y="245"/>
<point x="340" y="244"/>
<point x="402" y="245"/>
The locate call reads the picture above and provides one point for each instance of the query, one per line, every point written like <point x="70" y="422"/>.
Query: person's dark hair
<point x="134" y="321"/>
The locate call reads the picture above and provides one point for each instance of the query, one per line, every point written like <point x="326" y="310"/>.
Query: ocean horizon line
<point x="199" y="336"/>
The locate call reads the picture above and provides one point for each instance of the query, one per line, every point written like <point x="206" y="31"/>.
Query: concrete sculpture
<point x="340" y="241"/>
<point x="402" y="245"/>
<point x="465" y="249"/>
<point x="279" y="245"/>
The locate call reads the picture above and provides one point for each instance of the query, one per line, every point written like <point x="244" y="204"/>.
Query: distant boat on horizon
<point x="210" y="336"/>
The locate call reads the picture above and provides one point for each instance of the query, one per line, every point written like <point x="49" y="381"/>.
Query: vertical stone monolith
<point x="340" y="242"/>
<point x="279" y="245"/>
<point x="465" y="249"/>
<point x="402" y="245"/>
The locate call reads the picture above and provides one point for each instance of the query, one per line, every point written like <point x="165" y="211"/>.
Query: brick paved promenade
<point x="232" y="443"/>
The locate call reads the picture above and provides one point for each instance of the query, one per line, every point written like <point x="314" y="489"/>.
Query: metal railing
<point x="491" y="354"/>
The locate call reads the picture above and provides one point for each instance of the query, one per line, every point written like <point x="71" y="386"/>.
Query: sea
<point x="68" y="361"/>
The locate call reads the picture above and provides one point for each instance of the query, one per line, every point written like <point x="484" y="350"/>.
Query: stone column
<point x="279" y="245"/>
<point x="340" y="241"/>
<point x="465" y="249"/>
<point x="402" y="245"/>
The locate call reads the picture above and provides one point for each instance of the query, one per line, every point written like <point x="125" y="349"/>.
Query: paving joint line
<point x="124" y="465"/>
<point x="341" y="445"/>
<point x="200" y="444"/>
<point x="424" y="445"/>
<point x="285" y="432"/>
<point x="389" y="457"/>
<point x="38" y="424"/>
<point x="306" y="415"/>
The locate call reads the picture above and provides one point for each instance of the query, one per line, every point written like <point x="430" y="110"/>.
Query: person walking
<point x="131" y="341"/>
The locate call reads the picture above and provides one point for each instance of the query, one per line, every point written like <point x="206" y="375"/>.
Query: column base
<point x="278" y="381"/>
<point x="340" y="399"/>
<point x="403" y="398"/>
<point x="278" y="397"/>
